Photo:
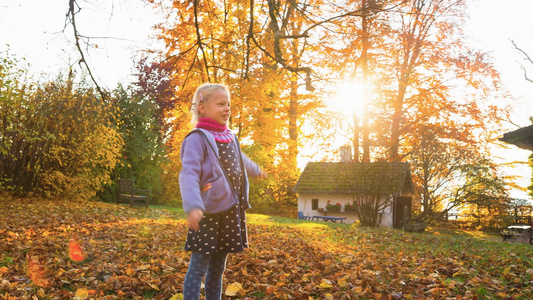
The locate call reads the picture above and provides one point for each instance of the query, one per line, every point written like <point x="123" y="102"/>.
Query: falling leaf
<point x="37" y="272"/>
<point x="75" y="251"/>
<point x="233" y="289"/>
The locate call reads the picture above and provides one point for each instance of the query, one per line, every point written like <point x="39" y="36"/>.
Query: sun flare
<point x="349" y="99"/>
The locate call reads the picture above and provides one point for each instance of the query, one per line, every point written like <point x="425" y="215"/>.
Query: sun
<point x="349" y="99"/>
<point x="346" y="101"/>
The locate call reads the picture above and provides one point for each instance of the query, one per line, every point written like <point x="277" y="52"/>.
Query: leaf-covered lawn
<point x="60" y="249"/>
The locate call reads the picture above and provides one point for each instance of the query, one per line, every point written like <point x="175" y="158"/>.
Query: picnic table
<point x="329" y="218"/>
<point x="517" y="233"/>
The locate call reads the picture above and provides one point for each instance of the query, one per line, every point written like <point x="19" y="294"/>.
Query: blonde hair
<point x="202" y="94"/>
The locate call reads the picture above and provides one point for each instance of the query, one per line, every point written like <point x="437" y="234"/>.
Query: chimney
<point x="346" y="153"/>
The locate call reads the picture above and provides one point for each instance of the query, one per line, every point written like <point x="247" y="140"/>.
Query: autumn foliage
<point x="137" y="254"/>
<point x="430" y="99"/>
<point x="427" y="92"/>
<point x="57" y="137"/>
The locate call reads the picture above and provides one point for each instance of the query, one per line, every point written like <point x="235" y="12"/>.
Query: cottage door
<point x="402" y="211"/>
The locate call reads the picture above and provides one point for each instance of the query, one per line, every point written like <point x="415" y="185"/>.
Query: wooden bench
<point x="127" y="193"/>
<point x="331" y="219"/>
<point x="416" y="226"/>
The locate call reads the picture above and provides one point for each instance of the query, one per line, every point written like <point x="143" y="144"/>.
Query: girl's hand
<point x="263" y="174"/>
<point x="194" y="217"/>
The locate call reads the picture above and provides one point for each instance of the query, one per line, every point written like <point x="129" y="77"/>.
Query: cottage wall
<point x="305" y="203"/>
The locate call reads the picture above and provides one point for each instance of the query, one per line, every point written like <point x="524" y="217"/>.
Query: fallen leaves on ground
<point x="233" y="289"/>
<point x="92" y="250"/>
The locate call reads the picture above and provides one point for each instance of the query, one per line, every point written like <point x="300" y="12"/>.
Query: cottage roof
<point x="522" y="137"/>
<point x="350" y="178"/>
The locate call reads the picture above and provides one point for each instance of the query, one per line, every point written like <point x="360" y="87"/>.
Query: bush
<point x="57" y="138"/>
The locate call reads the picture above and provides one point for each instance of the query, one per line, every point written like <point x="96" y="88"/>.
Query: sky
<point x="492" y="26"/>
<point x="119" y="29"/>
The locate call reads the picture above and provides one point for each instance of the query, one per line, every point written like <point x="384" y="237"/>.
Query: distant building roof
<point x="522" y="137"/>
<point x="350" y="178"/>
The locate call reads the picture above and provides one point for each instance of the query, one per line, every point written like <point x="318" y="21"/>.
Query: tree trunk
<point x="356" y="138"/>
<point x="396" y="122"/>
<point x="293" y="123"/>
<point x="364" y="60"/>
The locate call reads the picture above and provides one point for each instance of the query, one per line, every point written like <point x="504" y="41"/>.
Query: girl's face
<point x="217" y="107"/>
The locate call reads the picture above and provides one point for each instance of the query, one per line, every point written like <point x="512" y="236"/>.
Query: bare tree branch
<point x="277" y="57"/>
<point x="199" y="38"/>
<point x="526" y="58"/>
<point x="72" y="16"/>
<point x="248" y="38"/>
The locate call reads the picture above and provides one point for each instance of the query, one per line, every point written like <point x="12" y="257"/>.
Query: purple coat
<point x="203" y="183"/>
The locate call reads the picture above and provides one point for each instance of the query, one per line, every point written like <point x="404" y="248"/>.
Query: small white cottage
<point x="341" y="182"/>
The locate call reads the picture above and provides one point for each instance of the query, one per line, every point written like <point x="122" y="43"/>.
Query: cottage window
<point x="314" y="204"/>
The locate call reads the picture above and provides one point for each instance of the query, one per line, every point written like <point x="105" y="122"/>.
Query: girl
<point x="214" y="191"/>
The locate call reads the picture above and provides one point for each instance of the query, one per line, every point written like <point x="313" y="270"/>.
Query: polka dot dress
<point x="225" y="231"/>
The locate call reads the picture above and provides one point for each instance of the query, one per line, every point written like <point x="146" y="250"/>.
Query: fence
<point x="493" y="221"/>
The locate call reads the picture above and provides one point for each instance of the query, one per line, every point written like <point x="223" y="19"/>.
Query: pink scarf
<point x="221" y="132"/>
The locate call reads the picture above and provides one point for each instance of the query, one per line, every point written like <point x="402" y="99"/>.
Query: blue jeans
<point x="210" y="265"/>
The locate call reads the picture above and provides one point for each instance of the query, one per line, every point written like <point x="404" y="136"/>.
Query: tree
<point x="143" y="153"/>
<point x="481" y="192"/>
<point x="262" y="68"/>
<point x="411" y="54"/>
<point x="431" y="51"/>
<point x="443" y="166"/>
<point x="431" y="107"/>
